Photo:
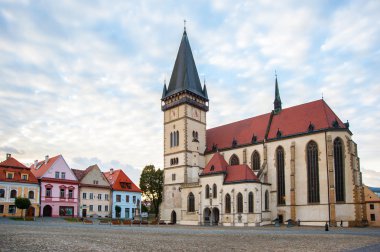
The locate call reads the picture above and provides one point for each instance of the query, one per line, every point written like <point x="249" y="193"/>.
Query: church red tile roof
<point x="12" y="165"/>
<point x="42" y="167"/>
<point x="290" y="121"/>
<point x="216" y="164"/>
<point x="117" y="178"/>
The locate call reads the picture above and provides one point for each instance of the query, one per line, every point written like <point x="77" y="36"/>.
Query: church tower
<point x="184" y="103"/>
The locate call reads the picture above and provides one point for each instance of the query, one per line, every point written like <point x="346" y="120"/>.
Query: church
<point x="297" y="163"/>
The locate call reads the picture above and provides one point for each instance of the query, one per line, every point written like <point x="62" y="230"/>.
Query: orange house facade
<point x="16" y="180"/>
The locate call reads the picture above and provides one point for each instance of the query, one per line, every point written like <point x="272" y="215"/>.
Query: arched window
<point x="31" y="195"/>
<point x="190" y="203"/>
<point x="174" y="138"/>
<point x="13" y="194"/>
<point x="280" y="176"/>
<point x="207" y="192"/>
<point x="255" y="161"/>
<point x="239" y="203"/>
<point x="266" y="200"/>
<point x="2" y="193"/>
<point x="339" y="170"/>
<point x="177" y="138"/>
<point x="228" y="203"/>
<point x="234" y="160"/>
<point x="171" y="139"/>
<point x="250" y="202"/>
<point x="214" y="191"/>
<point x="312" y="173"/>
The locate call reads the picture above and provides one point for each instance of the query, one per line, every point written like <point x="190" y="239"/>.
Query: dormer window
<point x="10" y="175"/>
<point x="123" y="185"/>
<point x="279" y="133"/>
<point x="212" y="168"/>
<point x="234" y="143"/>
<point x="335" y="123"/>
<point x="24" y="176"/>
<point x="214" y="147"/>
<point x="254" y="139"/>
<point x="311" y="127"/>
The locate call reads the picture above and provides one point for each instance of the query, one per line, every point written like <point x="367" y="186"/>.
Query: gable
<point x="60" y="166"/>
<point x="94" y="174"/>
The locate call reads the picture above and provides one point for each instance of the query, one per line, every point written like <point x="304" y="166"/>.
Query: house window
<point x="71" y="194"/>
<point x="234" y="160"/>
<point x="31" y="195"/>
<point x="106" y="208"/>
<point x="255" y="161"/>
<point x="48" y="192"/>
<point x="126" y="198"/>
<point x="190" y="203"/>
<point x="9" y="175"/>
<point x="1" y="208"/>
<point x="62" y="193"/>
<point x="266" y="200"/>
<point x="24" y="177"/>
<point x="118" y="198"/>
<point x="56" y="174"/>
<point x="207" y="191"/>
<point x="13" y="194"/>
<point x="240" y="203"/>
<point x="106" y="197"/>
<point x="214" y="191"/>
<point x="99" y="196"/>
<point x="133" y="213"/>
<point x="174" y="138"/>
<point x="63" y="175"/>
<point x="373" y="217"/>
<point x="96" y="182"/>
<point x="371" y="206"/>
<point x="134" y="199"/>
<point x="339" y="170"/>
<point x="280" y="176"/>
<point x="127" y="213"/>
<point x="312" y="173"/>
<point x="91" y="208"/>
<point x="99" y="208"/>
<point x="91" y="196"/>
<point x="12" y="209"/>
<point x="173" y="177"/>
<point x="228" y="203"/>
<point x="250" y="202"/>
<point x="2" y="193"/>
<point x="84" y="195"/>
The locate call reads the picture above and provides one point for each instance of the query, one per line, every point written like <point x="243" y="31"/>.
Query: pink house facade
<point x="59" y="187"/>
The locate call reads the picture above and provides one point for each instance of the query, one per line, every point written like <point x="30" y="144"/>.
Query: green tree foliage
<point x="151" y="184"/>
<point x="22" y="203"/>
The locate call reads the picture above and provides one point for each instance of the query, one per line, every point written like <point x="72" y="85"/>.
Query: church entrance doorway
<point x="47" y="211"/>
<point x="173" y="217"/>
<point x="215" y="216"/>
<point x="206" y="216"/>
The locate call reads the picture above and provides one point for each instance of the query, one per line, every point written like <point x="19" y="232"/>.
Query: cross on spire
<point x="184" y="25"/>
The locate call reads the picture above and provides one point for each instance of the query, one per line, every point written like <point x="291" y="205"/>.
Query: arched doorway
<point x="47" y="211"/>
<point x="30" y="212"/>
<point x="173" y="217"/>
<point x="206" y="216"/>
<point x="215" y="216"/>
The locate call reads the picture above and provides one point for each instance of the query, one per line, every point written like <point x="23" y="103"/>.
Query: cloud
<point x="371" y="177"/>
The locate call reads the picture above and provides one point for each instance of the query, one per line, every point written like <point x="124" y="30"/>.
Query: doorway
<point x="215" y="216"/>
<point x="47" y="211"/>
<point x="173" y="217"/>
<point x="30" y="212"/>
<point x="206" y="216"/>
<point x="84" y="213"/>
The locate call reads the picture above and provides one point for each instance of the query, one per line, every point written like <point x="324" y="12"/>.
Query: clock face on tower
<point x="173" y="114"/>
<point x="196" y="113"/>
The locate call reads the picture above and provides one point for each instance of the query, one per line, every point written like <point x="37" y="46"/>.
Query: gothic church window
<point x="312" y="173"/>
<point x="228" y="203"/>
<point x="240" y="203"/>
<point x="207" y="191"/>
<point x="191" y="203"/>
<point x="280" y="176"/>
<point x="266" y="200"/>
<point x="171" y="139"/>
<point x="250" y="202"/>
<point x="234" y="160"/>
<point x="177" y="138"/>
<point x="214" y="191"/>
<point x="339" y="170"/>
<point x="255" y="161"/>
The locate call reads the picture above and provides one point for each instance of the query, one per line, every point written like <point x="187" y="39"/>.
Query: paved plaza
<point x="59" y="235"/>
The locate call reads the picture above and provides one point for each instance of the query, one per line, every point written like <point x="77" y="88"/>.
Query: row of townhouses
<point x="55" y="189"/>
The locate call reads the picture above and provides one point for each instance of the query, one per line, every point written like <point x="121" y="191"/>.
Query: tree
<point x="117" y="210"/>
<point x="22" y="203"/>
<point x="151" y="184"/>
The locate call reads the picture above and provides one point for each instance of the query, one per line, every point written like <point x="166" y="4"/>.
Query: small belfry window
<point x="255" y="161"/>
<point x="234" y="160"/>
<point x="207" y="191"/>
<point x="190" y="202"/>
<point x="266" y="200"/>
<point x="250" y="202"/>
<point x="240" y="203"/>
<point x="228" y="203"/>
<point x="214" y="191"/>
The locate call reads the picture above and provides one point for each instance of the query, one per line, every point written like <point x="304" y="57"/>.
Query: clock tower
<point x="184" y="103"/>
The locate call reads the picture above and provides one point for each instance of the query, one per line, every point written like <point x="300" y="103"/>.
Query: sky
<point x="84" y="78"/>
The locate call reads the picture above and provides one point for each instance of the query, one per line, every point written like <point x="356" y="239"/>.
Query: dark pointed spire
<point x="277" y="100"/>
<point x="185" y="76"/>
<point x="165" y="90"/>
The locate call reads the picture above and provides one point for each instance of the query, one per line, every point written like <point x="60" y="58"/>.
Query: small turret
<point x="277" y="100"/>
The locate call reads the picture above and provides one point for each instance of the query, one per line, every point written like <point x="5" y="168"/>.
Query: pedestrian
<point x="341" y="223"/>
<point x="299" y="222"/>
<point x="326" y="227"/>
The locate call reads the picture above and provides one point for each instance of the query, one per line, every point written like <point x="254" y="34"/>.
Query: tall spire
<point x="277" y="100"/>
<point x="185" y="76"/>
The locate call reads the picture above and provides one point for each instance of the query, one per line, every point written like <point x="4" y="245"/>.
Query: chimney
<point x="8" y="155"/>
<point x="35" y="164"/>
<point x="111" y="171"/>
<point x="46" y="159"/>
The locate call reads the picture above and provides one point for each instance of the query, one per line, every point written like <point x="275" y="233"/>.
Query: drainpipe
<point x="328" y="180"/>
